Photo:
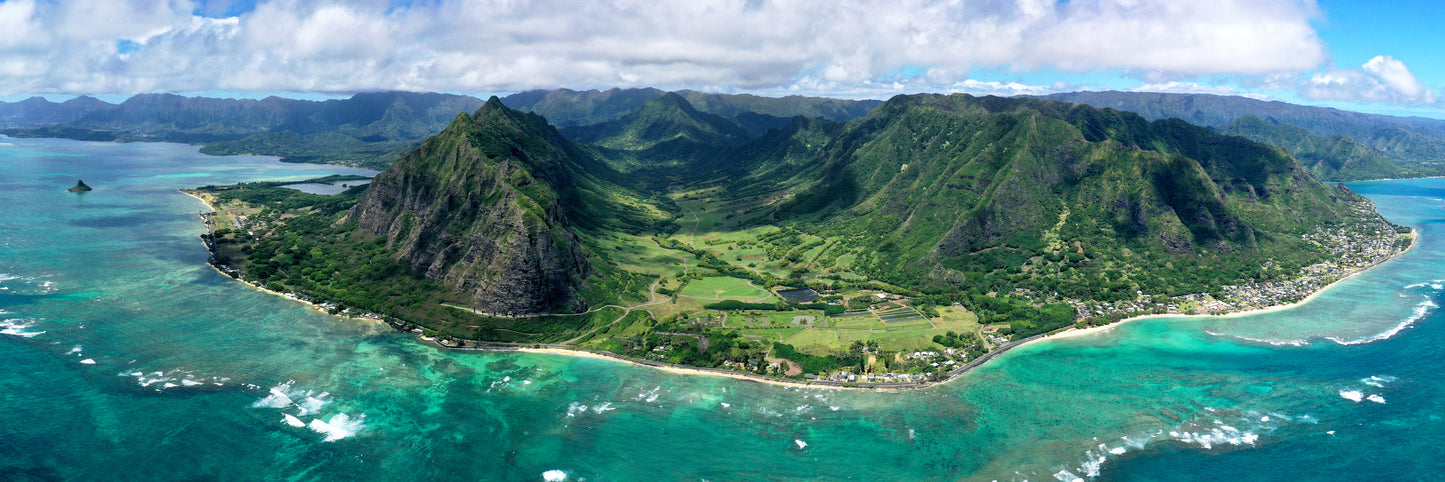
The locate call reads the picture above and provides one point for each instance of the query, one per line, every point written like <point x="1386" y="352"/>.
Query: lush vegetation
<point x="918" y="223"/>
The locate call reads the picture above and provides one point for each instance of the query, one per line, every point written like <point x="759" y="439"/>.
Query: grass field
<point x="642" y="255"/>
<point x="723" y="288"/>
<point x="775" y="334"/>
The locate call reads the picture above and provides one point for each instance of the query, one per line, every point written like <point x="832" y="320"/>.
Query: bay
<point x="123" y="357"/>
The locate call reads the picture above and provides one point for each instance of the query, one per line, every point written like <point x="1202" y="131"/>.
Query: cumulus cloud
<point x="108" y="46"/>
<point x="1382" y="79"/>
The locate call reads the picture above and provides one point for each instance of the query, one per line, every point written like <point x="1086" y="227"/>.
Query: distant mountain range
<point x="368" y="129"/>
<point x="568" y="108"/>
<point x="1415" y="144"/>
<point x="373" y="129"/>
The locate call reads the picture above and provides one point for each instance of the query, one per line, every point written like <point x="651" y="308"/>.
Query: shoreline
<point x="263" y="289"/>
<point x="565" y="350"/>
<point x="1075" y="332"/>
<point x="675" y="369"/>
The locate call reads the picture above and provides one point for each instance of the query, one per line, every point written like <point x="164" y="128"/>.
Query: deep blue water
<point x="123" y="357"/>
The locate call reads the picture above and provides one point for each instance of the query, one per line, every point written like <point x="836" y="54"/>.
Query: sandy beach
<point x="681" y="370"/>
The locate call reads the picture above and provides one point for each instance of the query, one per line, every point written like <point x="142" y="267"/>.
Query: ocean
<point x="124" y="357"/>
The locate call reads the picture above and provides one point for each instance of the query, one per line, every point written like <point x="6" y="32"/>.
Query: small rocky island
<point x="80" y="187"/>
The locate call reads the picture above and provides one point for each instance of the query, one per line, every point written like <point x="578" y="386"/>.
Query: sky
<point x="1365" y="56"/>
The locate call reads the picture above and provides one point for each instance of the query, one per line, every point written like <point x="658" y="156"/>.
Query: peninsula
<point x="894" y="250"/>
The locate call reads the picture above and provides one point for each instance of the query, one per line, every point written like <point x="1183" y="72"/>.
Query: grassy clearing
<point x="911" y="341"/>
<point x="825" y="342"/>
<point x="775" y="334"/>
<point x="921" y="324"/>
<point x="956" y="319"/>
<point x="640" y="254"/>
<point x="859" y="323"/>
<point x="723" y="287"/>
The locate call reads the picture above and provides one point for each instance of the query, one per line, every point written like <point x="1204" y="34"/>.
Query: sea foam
<point x="338" y="427"/>
<point x="554" y="476"/>
<point x="291" y="420"/>
<point x="1260" y="340"/>
<point x="17" y="327"/>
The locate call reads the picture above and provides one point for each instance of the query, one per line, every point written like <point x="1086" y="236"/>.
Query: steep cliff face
<point x="481" y="207"/>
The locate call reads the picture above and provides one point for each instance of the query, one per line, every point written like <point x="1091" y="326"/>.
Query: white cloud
<point x="18" y="25"/>
<point x="1176" y="87"/>
<point x="506" y="45"/>
<point x="883" y="89"/>
<point x="1382" y="79"/>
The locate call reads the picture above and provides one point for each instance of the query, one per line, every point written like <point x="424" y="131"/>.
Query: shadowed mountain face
<point x="480" y="206"/>
<point x="944" y="184"/>
<point x="569" y="108"/>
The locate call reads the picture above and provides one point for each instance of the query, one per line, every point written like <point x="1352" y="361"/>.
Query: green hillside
<point x="1333" y="158"/>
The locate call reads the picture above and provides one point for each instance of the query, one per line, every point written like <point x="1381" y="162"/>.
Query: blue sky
<point x="1355" y="55"/>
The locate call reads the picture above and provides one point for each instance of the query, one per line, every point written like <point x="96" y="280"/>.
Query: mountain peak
<point x="672" y="100"/>
<point x="492" y="108"/>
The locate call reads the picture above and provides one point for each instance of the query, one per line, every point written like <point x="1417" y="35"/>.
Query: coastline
<point x="1075" y="332"/>
<point x="564" y="350"/>
<point x="263" y="289"/>
<point x="676" y="369"/>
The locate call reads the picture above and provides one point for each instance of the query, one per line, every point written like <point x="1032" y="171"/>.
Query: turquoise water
<point x="124" y="358"/>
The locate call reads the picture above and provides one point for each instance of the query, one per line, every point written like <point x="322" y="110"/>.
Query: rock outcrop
<point x="480" y="207"/>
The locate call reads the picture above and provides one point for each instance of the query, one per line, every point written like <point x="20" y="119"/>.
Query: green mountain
<point x="491" y="206"/>
<point x="570" y="108"/>
<point x="368" y="129"/>
<point x="960" y="193"/>
<point x="1416" y="144"/>
<point x="38" y="111"/>
<point x="1335" y="158"/>
<point x="666" y="119"/>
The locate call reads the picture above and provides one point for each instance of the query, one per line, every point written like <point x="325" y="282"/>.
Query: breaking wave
<point x="18" y="327"/>
<point x="163" y="380"/>
<point x="1260" y="340"/>
<point x="338" y="427"/>
<point x="286" y="397"/>
<point x="1421" y="310"/>
<point x="1245" y="429"/>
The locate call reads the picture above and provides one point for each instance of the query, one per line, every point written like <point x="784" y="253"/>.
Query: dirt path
<point x="696" y="223"/>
